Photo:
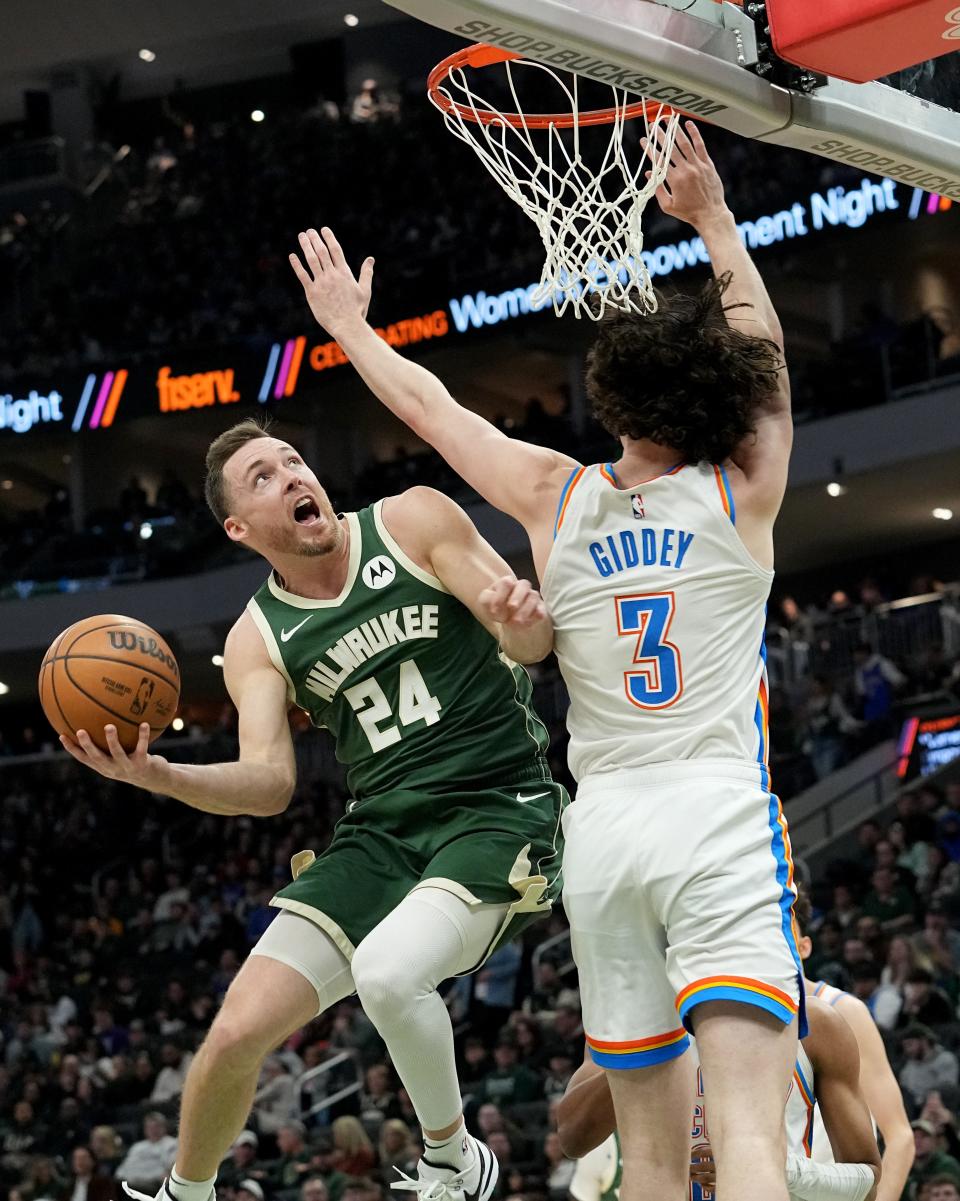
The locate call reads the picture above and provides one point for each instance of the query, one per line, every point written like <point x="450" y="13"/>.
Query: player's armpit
<point x="439" y="536"/>
<point x="764" y="459"/>
<point x="836" y="1064"/>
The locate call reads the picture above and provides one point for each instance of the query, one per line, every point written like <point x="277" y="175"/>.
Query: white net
<point x="589" y="213"/>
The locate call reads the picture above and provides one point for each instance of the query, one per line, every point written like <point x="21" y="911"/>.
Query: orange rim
<point x="482" y="55"/>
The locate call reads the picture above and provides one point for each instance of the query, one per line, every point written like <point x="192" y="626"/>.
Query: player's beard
<point x="329" y="542"/>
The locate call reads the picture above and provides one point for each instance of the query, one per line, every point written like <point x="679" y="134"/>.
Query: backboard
<point x="714" y="61"/>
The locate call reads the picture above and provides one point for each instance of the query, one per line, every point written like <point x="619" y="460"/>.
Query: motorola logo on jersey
<point x="379" y="572"/>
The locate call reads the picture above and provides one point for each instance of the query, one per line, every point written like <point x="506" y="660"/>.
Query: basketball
<point x="109" y="670"/>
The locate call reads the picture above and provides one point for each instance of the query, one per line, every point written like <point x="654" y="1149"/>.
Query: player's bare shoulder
<point x="830" y="1042"/>
<point x="244" y="653"/>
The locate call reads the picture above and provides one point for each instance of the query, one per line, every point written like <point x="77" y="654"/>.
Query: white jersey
<point x="659" y="612"/>
<point x="598" y="1173"/>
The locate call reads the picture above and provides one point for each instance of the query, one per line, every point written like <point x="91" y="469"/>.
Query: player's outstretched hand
<point x="138" y="767"/>
<point x="693" y="190"/>
<point x="332" y="291"/>
<point x="513" y="603"/>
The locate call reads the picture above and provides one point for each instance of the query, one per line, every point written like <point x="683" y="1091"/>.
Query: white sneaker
<point x="475" y="1182"/>
<point x="163" y="1193"/>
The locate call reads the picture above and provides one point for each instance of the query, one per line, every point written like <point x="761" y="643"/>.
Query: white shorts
<point x="678" y="884"/>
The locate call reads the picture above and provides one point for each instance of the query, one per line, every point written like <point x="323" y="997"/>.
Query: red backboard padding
<point x="861" y="40"/>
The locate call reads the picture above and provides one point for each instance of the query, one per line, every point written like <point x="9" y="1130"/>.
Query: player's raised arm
<point x="511" y="475"/>
<point x="260" y="783"/>
<point x="693" y="192"/>
<point x="440" y="536"/>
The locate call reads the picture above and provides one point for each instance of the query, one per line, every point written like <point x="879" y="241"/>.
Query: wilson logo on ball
<point x="126" y="640"/>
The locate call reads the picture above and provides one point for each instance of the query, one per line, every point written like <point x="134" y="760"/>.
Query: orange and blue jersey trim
<point x="736" y="988"/>
<point x="726" y="492"/>
<point x="573" y="479"/>
<point x="608" y="473"/>
<point x="822" y="988"/>
<point x="809" y="1100"/>
<point x="638" y="1053"/>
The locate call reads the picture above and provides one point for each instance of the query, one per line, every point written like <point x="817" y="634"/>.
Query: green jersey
<point x="412" y="687"/>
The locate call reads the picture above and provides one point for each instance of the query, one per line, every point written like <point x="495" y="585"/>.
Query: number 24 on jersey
<point x="414" y="703"/>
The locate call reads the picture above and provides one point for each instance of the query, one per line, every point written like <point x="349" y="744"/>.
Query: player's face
<point x="277" y="503"/>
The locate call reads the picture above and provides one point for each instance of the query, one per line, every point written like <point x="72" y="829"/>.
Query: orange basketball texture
<point x="109" y="670"/>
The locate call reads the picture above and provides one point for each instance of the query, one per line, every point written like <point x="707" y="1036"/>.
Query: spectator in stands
<point x="476" y="1062"/>
<point x="869" y="833"/>
<point x="927" y="1064"/>
<point x="241" y="1163"/>
<point x="510" y="1083"/>
<point x="353" y="1152"/>
<point x="170" y="1079"/>
<point x="366" y="106"/>
<point x="942" y="1188"/>
<point x="885" y="854"/>
<point x="844" y="911"/>
<point x="150" y="1159"/>
<point x="276" y="1102"/>
<point x="876" y="680"/>
<point x="295" y="1157"/>
<point x="938" y="942"/>
<point x="931" y="1160"/>
<point x="314" y="1189"/>
<point x="560" y="1067"/>
<point x="828" y="724"/>
<point x="378" y="1101"/>
<point x="495" y="987"/>
<point x="826" y="962"/>
<point x="85" y="1183"/>
<point x="889" y="902"/>
<point x="396" y="1149"/>
<point x="566" y="1034"/>
<point x="42" y="1177"/>
<point x="923" y="1002"/>
<point x="547" y="986"/>
<point x="21" y="1138"/>
<point x="559" y="1169"/>
<point x="107" y="1149"/>
<point x="249" y="1190"/>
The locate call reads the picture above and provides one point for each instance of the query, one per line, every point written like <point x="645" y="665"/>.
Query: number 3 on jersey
<point x="415" y="703"/>
<point x="656" y="681"/>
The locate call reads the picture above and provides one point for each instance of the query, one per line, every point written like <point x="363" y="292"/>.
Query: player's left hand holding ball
<point x="139" y="767"/>
<point x="512" y="602"/>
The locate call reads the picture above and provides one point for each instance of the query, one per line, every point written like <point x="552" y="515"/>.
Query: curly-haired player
<point x="657" y="569"/>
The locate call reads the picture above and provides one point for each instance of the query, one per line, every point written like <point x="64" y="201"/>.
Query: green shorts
<point x="493" y="844"/>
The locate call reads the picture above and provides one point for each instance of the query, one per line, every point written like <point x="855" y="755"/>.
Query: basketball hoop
<point x="590" y="218"/>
